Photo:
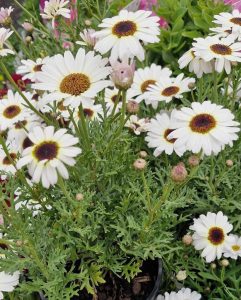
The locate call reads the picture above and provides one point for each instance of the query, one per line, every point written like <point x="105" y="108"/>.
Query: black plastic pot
<point x="155" y="291"/>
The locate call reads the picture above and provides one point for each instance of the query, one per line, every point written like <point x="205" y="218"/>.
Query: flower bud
<point x="229" y="162"/>
<point x="187" y="239"/>
<point x="122" y="74"/>
<point x="132" y="107"/>
<point x="79" y="197"/>
<point x="139" y="164"/>
<point x="191" y="85"/>
<point x="179" y="173"/>
<point x="181" y="275"/>
<point x="193" y="161"/>
<point x="28" y="39"/>
<point x="224" y="262"/>
<point x="28" y="26"/>
<point x="88" y="22"/>
<point x="213" y="266"/>
<point x="143" y="154"/>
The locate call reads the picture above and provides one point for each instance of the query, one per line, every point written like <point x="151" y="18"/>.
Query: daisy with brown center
<point x="205" y="126"/>
<point x="123" y="34"/>
<point x="196" y="64"/>
<point x="50" y="152"/>
<point x="229" y="20"/>
<point x="233" y="249"/>
<point x="158" y="131"/>
<point x="222" y="50"/>
<point x="6" y="161"/>
<point x="4" y="35"/>
<point x="12" y="110"/>
<point x="74" y="79"/>
<point x="54" y="8"/>
<point x="144" y="78"/>
<point x="165" y="89"/>
<point x="211" y="235"/>
<point x="29" y="68"/>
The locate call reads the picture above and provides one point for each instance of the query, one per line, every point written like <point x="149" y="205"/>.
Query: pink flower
<point x="235" y="3"/>
<point x="148" y="5"/>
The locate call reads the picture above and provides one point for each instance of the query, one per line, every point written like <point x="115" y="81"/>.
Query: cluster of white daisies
<point x="219" y="49"/>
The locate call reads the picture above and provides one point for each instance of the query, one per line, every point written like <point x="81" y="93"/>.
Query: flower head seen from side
<point x="222" y="50"/>
<point x="196" y="64"/>
<point x="54" y="8"/>
<point x="137" y="125"/>
<point x="210" y="235"/>
<point x="75" y="80"/>
<point x="123" y="34"/>
<point x="49" y="153"/>
<point x="233" y="248"/>
<point x="166" y="89"/>
<point x="229" y="20"/>
<point x="144" y="78"/>
<point x="5" y="18"/>
<point x="8" y="282"/>
<point x="205" y="127"/>
<point x="158" y="131"/>
<point x="29" y="68"/>
<point x="122" y="73"/>
<point x="87" y="38"/>
<point x="183" y="294"/>
<point x="4" y="35"/>
<point x="13" y="110"/>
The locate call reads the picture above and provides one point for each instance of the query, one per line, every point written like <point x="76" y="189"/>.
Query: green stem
<point x="123" y="109"/>
<point x="148" y="198"/>
<point x="116" y="103"/>
<point x="21" y="40"/>
<point x="30" y="105"/>
<point x="64" y="190"/>
<point x="84" y="126"/>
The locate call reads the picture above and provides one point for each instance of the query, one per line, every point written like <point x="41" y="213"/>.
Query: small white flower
<point x="229" y="20"/>
<point x="13" y="110"/>
<point x="158" y="131"/>
<point x="54" y="8"/>
<point x="205" y="126"/>
<point x="211" y="235"/>
<point x="222" y="51"/>
<point x="137" y="125"/>
<point x="47" y="157"/>
<point x="123" y="34"/>
<point x="233" y="248"/>
<point x="29" y="68"/>
<point x="8" y="282"/>
<point x="87" y="38"/>
<point x="196" y="64"/>
<point x="4" y="35"/>
<point x="168" y="88"/>
<point x="143" y="78"/>
<point x="74" y="79"/>
<point x="183" y="294"/>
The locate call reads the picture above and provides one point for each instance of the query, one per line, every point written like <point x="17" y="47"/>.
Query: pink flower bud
<point x="132" y="107"/>
<point x="5" y="18"/>
<point x="179" y="173"/>
<point x="193" y="161"/>
<point x="229" y="163"/>
<point x="187" y="239"/>
<point x="139" y="164"/>
<point x="122" y="74"/>
<point x="28" y="26"/>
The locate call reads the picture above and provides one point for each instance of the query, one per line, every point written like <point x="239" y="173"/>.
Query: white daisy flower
<point x="8" y="282"/>
<point x="229" y="20"/>
<point x="76" y="80"/>
<point x="137" y="125"/>
<point x="4" y="35"/>
<point x="233" y="249"/>
<point x="223" y="51"/>
<point x="91" y="112"/>
<point x="13" y="110"/>
<point x="47" y="157"/>
<point x="143" y="78"/>
<point x="6" y="165"/>
<point x="196" y="64"/>
<point x="168" y="88"/>
<point x="211" y="235"/>
<point x="111" y="96"/>
<point x="223" y="32"/>
<point x="183" y="294"/>
<point x="87" y="38"/>
<point x="5" y="18"/>
<point x="158" y="131"/>
<point x="54" y="8"/>
<point x="29" y="68"/>
<point x="123" y="34"/>
<point x="205" y="126"/>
